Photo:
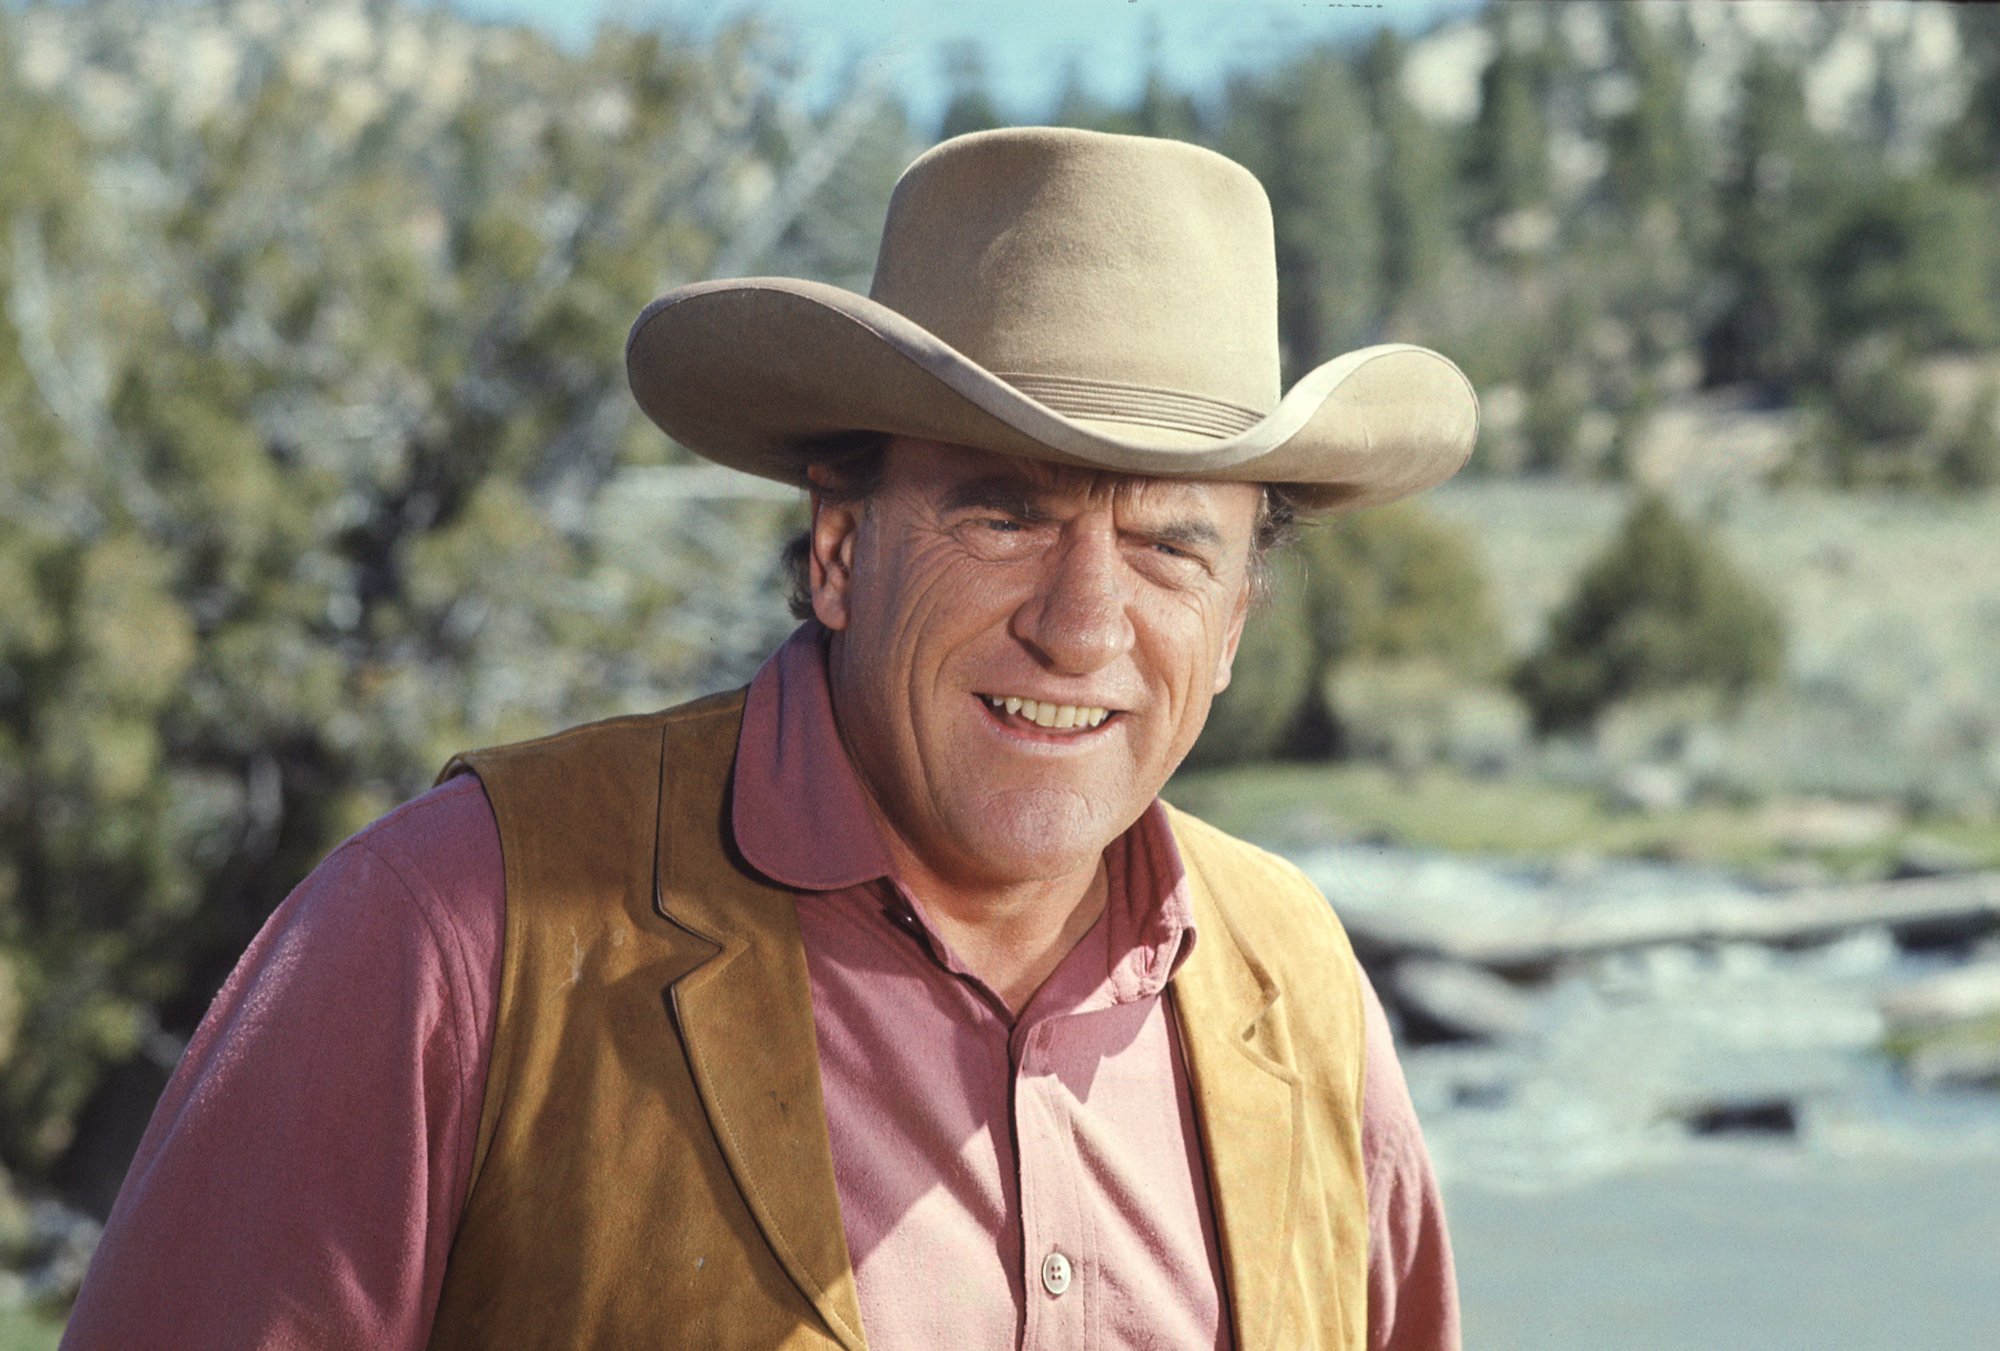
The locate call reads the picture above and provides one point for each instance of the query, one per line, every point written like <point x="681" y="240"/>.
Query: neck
<point x="1010" y="935"/>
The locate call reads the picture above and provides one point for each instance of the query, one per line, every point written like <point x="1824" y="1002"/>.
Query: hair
<point x="850" y="466"/>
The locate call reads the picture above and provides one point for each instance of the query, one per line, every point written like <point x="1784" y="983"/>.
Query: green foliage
<point x="1508" y="159"/>
<point x="316" y="463"/>
<point x="1876" y="410"/>
<point x="1414" y="187"/>
<point x="1913" y="258"/>
<point x="1388" y="586"/>
<point x="1771" y="208"/>
<point x="1660" y="609"/>
<point x="1272" y="679"/>
<point x="1649" y="146"/>
<point x="1590" y="246"/>
<point x="1396" y="584"/>
<point x="972" y="107"/>
<point x="1970" y="146"/>
<point x="1552" y="416"/>
<point x="1304" y="133"/>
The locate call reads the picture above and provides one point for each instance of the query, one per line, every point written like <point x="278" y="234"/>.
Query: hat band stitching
<point x="1145" y="405"/>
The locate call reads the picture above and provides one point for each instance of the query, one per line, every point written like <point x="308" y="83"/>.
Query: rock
<point x="1929" y="856"/>
<point x="1445" y="1001"/>
<point x="1924" y="913"/>
<point x="1793" y="874"/>
<point x="1765" y="1116"/>
<point x="1810" y="824"/>
<point x="1946" y="1030"/>
<point x="1968" y="1064"/>
<point x="1969" y="993"/>
<point x="1651" y="788"/>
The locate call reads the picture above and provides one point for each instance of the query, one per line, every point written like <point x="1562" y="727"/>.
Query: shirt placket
<point x="1058" y="1250"/>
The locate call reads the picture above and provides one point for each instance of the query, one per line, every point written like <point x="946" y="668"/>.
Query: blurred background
<point x="1654" y="764"/>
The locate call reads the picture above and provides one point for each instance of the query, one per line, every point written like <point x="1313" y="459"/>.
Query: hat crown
<point x="1077" y="259"/>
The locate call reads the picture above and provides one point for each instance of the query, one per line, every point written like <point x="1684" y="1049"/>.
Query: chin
<point x="1040" y="834"/>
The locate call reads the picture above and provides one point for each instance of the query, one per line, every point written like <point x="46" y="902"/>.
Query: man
<point x="884" y="1000"/>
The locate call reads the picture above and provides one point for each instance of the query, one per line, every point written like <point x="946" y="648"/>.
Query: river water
<point x="1693" y="1146"/>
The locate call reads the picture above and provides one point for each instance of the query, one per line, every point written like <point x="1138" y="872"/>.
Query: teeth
<point x="1056" y="717"/>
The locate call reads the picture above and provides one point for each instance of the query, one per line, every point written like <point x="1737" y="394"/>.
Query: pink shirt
<point x="304" y="1172"/>
<point x="971" y="1147"/>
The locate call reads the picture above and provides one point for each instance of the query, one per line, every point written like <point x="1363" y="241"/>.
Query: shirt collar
<point x="799" y="811"/>
<point x="802" y="819"/>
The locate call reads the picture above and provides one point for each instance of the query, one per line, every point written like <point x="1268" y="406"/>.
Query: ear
<point x="831" y="562"/>
<point x="1225" y="662"/>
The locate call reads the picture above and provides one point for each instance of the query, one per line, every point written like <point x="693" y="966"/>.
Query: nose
<point x="1078" y="620"/>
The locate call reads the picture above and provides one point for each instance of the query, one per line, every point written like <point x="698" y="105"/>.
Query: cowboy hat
<point x="1089" y="299"/>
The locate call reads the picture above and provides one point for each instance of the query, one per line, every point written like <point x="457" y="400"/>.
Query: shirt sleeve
<point x="303" y="1172"/>
<point x="1412" y="1289"/>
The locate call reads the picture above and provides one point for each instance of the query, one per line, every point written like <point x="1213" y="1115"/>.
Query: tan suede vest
<point x="652" y="1166"/>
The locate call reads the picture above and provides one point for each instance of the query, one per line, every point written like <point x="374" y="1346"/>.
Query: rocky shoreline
<point x="1564" y="1023"/>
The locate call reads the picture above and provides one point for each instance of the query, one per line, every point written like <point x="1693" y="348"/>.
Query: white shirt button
<point x="1055" y="1273"/>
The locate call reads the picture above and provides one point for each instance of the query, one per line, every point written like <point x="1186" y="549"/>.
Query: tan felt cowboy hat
<point x="1106" y="301"/>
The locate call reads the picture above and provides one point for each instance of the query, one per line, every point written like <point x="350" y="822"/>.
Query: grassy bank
<point x="1442" y="808"/>
<point x="27" y="1330"/>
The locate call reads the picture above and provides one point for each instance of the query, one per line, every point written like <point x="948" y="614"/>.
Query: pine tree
<point x="1163" y="110"/>
<point x="1661" y="608"/>
<point x="1388" y="585"/>
<point x="1969" y="147"/>
<point x="1508" y="166"/>
<point x="1414" y="188"/>
<point x="971" y="107"/>
<point x="1768" y="331"/>
<point x="1912" y="259"/>
<point x="1076" y="106"/>
<point x="1305" y="135"/>
<point x="1649" y="147"/>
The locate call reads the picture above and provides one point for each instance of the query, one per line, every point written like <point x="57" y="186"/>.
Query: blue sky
<point x="1028" y="43"/>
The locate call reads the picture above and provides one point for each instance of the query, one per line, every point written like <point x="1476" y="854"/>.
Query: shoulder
<point x="408" y="913"/>
<point x="633" y="734"/>
<point x="436" y="861"/>
<point x="606" y="775"/>
<point x="433" y="836"/>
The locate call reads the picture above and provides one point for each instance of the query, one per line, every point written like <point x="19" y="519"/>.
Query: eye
<point x="1001" y="525"/>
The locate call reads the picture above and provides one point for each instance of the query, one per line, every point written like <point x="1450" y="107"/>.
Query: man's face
<point x="970" y="580"/>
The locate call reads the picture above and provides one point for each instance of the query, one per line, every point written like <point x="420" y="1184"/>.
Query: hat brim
<point x="746" y="371"/>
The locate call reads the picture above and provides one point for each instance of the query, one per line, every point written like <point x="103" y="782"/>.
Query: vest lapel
<point x="1248" y="1105"/>
<point x="746" y="1019"/>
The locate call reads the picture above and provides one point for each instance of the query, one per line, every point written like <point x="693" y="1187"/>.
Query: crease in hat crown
<point x="1044" y="254"/>
<point x="1091" y="299"/>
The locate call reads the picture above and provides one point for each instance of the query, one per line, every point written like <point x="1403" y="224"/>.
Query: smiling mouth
<point x="1049" y="717"/>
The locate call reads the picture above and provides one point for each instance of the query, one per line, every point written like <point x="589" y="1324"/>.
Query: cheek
<point x="906" y="635"/>
<point x="1192" y="640"/>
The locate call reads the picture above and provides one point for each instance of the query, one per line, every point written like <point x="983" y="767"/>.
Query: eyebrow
<point x="1188" y="531"/>
<point x="1024" y="500"/>
<point x="1008" y="494"/>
